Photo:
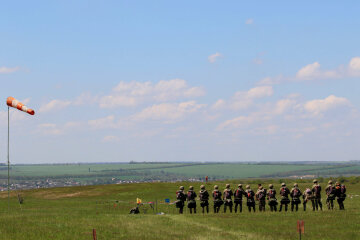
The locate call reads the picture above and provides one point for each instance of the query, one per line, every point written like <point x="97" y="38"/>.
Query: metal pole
<point x="8" y="158"/>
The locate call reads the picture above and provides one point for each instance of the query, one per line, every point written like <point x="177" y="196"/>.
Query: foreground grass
<point x="72" y="213"/>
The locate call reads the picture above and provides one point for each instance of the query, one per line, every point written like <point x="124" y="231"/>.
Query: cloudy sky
<point x="185" y="81"/>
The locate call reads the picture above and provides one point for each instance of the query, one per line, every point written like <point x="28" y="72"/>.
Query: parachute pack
<point x="317" y="189"/>
<point x="343" y="189"/>
<point x="271" y="193"/>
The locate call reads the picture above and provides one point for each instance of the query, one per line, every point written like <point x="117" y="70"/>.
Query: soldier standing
<point x="238" y="195"/>
<point x="217" y="199"/>
<point x="191" y="195"/>
<point x="250" y="201"/>
<point x="180" y="199"/>
<point x="228" y="193"/>
<point x="330" y="193"/>
<point x="308" y="196"/>
<point x="271" y="196"/>
<point x="316" y="189"/>
<point x="204" y="199"/>
<point x="340" y="192"/>
<point x="295" y="195"/>
<point x="284" y="193"/>
<point x="261" y="197"/>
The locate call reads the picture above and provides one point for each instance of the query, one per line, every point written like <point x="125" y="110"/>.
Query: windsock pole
<point x="8" y="158"/>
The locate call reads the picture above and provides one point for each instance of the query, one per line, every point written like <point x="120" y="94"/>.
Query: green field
<point x="72" y="213"/>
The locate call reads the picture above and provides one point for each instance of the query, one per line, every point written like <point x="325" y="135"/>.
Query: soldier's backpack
<point x="283" y="191"/>
<point x="342" y="189"/>
<point x="317" y="190"/>
<point x="271" y="194"/>
<point x="227" y="194"/>
<point x="238" y="193"/>
<point x="261" y="195"/>
<point x="190" y="195"/>
<point x="308" y="191"/>
<point x="296" y="193"/>
<point x="250" y="194"/>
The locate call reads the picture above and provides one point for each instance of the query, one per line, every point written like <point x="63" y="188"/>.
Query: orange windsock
<point x="12" y="102"/>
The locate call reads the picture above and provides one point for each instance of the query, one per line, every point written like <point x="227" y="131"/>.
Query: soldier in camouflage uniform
<point x="295" y="195"/>
<point x="228" y="193"/>
<point x="204" y="199"/>
<point x="316" y="189"/>
<point x="261" y="197"/>
<point x="271" y="196"/>
<point x="238" y="195"/>
<point x="180" y="199"/>
<point x="340" y="192"/>
<point x="250" y="201"/>
<point x="191" y="196"/>
<point x="284" y="193"/>
<point x="330" y="193"/>
<point x="217" y="199"/>
<point x="308" y="196"/>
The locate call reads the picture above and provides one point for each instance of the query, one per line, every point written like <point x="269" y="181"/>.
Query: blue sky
<point x="185" y="81"/>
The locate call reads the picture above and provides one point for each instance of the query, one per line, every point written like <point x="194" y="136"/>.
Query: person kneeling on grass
<point x="191" y="195"/>
<point x="250" y="201"/>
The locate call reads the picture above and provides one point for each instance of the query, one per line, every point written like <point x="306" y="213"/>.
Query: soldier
<point x="330" y="193"/>
<point x="204" y="199"/>
<point x="217" y="199"/>
<point x="316" y="189"/>
<point x="295" y="195"/>
<point x="271" y="196"/>
<point x="228" y="193"/>
<point x="238" y="195"/>
<point x="250" y="201"/>
<point x="284" y="192"/>
<point x="261" y="197"/>
<point x="308" y="196"/>
<point x="340" y="192"/>
<point x="191" y="195"/>
<point x="180" y="199"/>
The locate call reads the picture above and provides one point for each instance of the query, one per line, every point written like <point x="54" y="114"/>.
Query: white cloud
<point x="212" y="58"/>
<point x="50" y="129"/>
<point x="313" y="71"/>
<point x="103" y="123"/>
<point x="112" y="101"/>
<point x="249" y="21"/>
<point x="322" y="105"/>
<point x="110" y="139"/>
<point x="238" y="122"/>
<point x="54" y="105"/>
<point x="5" y="70"/>
<point x="283" y="105"/>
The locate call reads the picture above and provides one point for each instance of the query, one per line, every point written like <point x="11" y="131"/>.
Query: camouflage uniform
<point x="330" y="193"/>
<point x="308" y="196"/>
<point x="204" y="199"/>
<point x="250" y="201"/>
<point x="261" y="197"/>
<point x="295" y="195"/>
<point x="191" y="195"/>
<point x="217" y="199"/>
<point x="238" y="195"/>
<point x="228" y="193"/>
<point x="284" y="193"/>
<point x="316" y="189"/>
<point x="180" y="199"/>
<point x="271" y="196"/>
<point x="340" y="192"/>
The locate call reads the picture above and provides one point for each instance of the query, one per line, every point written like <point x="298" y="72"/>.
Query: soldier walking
<point x="261" y="197"/>
<point x="250" y="201"/>
<point x="180" y="199"/>
<point x="191" y="195"/>
<point x="340" y="192"/>
<point x="228" y="193"/>
<point x="238" y="195"/>
<point x="330" y="193"/>
<point x="295" y="195"/>
<point x="271" y="196"/>
<point x="204" y="199"/>
<point x="284" y="193"/>
<point x="308" y="196"/>
<point x="316" y="189"/>
<point x="217" y="199"/>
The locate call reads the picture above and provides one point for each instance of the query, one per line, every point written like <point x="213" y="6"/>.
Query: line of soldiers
<point x="226" y="197"/>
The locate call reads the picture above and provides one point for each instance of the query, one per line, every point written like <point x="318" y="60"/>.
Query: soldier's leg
<point x="231" y="208"/>
<point x="225" y="208"/>
<point x="190" y="209"/>
<point x="316" y="204"/>
<point x="214" y="208"/>
<point x="203" y="210"/>
<point x="297" y="207"/>
<point x="286" y="207"/>
<point x="254" y="207"/>
<point x="292" y="206"/>
<point x="331" y="204"/>
<point x="195" y="209"/>
<point x="280" y="207"/>
<point x="313" y="204"/>
<point x="320" y="203"/>
<point x="236" y="206"/>
<point x="207" y="209"/>
<point x="240" y="206"/>
<point x="275" y="208"/>
<point x="181" y="209"/>
<point x="304" y="204"/>
<point x="328" y="204"/>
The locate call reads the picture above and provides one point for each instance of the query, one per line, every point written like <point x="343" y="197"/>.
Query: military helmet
<point x="181" y="187"/>
<point x="283" y="184"/>
<point x="202" y="187"/>
<point x="247" y="186"/>
<point x="216" y="187"/>
<point x="261" y="187"/>
<point x="295" y="185"/>
<point x="330" y="182"/>
<point x="337" y="183"/>
<point x="227" y="185"/>
<point x="191" y="188"/>
<point x="240" y="185"/>
<point x="271" y="186"/>
<point x="315" y="181"/>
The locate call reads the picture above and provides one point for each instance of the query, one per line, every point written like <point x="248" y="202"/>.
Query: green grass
<point x="72" y="213"/>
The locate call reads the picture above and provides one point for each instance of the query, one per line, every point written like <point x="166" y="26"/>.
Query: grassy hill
<point x="72" y="213"/>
